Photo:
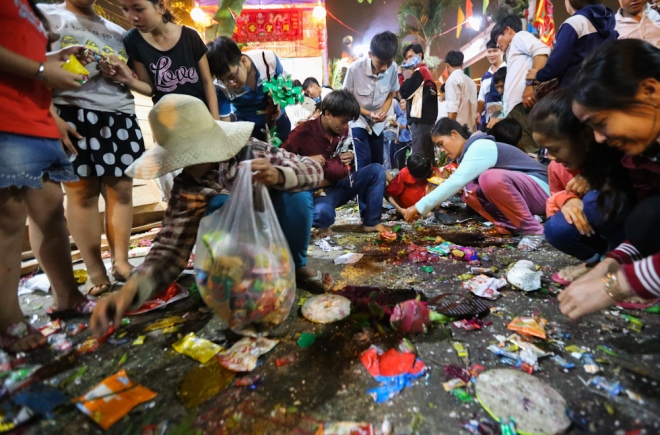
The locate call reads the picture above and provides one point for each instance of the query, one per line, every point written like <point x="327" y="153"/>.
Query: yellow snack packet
<point x="73" y="65"/>
<point x="197" y="348"/>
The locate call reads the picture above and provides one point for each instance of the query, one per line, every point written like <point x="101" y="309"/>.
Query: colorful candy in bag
<point x="243" y="266"/>
<point x="113" y="398"/>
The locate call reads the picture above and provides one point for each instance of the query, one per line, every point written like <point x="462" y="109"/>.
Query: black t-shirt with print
<point x="174" y="71"/>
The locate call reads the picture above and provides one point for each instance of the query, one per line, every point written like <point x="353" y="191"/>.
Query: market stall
<point x="294" y="29"/>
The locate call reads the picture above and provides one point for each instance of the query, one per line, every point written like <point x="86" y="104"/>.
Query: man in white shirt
<point x="525" y="55"/>
<point x="637" y="20"/>
<point x="489" y="102"/>
<point x="442" y="103"/>
<point x="461" y="92"/>
<point x="312" y="89"/>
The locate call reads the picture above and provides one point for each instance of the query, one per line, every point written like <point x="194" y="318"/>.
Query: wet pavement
<point x="327" y="382"/>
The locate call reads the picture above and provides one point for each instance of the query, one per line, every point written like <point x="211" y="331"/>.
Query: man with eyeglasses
<point x="239" y="84"/>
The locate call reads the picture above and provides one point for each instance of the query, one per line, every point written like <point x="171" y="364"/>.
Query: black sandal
<point x="459" y="306"/>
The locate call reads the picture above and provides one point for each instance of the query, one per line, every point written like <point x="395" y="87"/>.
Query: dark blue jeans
<point x="567" y="238"/>
<point x="294" y="211"/>
<point x="368" y="183"/>
<point x="368" y="147"/>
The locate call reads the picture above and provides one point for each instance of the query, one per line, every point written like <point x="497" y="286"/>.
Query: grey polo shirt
<point x="369" y="90"/>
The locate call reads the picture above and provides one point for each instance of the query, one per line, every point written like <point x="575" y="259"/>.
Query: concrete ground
<point x="328" y="383"/>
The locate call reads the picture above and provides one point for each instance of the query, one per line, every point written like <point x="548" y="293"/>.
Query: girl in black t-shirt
<point x="166" y="57"/>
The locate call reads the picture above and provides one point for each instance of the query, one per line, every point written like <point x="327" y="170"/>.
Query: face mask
<point x="412" y="63"/>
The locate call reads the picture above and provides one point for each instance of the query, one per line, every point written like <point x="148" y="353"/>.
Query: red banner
<point x="261" y="25"/>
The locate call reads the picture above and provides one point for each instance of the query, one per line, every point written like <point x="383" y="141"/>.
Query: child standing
<point x="167" y="58"/>
<point x="102" y="111"/>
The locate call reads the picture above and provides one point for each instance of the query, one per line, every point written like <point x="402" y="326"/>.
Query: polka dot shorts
<point x="111" y="141"/>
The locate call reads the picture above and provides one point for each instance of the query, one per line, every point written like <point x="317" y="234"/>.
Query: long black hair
<point x="553" y="116"/>
<point x="52" y="37"/>
<point x="445" y="126"/>
<point x="610" y="76"/>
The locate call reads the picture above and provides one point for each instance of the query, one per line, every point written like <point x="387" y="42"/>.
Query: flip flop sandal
<point x="638" y="305"/>
<point x="97" y="290"/>
<point x="118" y="276"/>
<point x="559" y="280"/>
<point x="16" y="333"/>
<point x="530" y="243"/>
<point x="458" y="306"/>
<point x="320" y="283"/>
<point x="83" y="309"/>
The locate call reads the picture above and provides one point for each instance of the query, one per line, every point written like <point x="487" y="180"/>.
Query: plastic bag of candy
<point x="243" y="266"/>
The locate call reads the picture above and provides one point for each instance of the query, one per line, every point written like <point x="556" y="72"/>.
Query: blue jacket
<point x="578" y="36"/>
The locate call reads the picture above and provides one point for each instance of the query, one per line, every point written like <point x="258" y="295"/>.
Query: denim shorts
<point x="26" y="160"/>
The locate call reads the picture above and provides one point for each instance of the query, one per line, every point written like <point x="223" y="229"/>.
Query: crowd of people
<point x="570" y="133"/>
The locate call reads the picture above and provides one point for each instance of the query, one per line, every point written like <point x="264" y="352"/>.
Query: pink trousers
<point x="508" y="199"/>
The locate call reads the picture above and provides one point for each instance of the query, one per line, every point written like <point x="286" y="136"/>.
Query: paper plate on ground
<point x="326" y="308"/>
<point x="535" y="407"/>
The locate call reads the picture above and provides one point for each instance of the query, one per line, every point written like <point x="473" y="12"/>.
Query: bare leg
<point x="83" y="217"/>
<point x="118" y="220"/>
<point x="49" y="239"/>
<point x="12" y="227"/>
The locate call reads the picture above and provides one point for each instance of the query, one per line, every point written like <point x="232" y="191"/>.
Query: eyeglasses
<point x="232" y="78"/>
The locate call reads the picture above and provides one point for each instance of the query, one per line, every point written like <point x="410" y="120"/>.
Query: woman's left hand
<point x="587" y="296"/>
<point x="411" y="214"/>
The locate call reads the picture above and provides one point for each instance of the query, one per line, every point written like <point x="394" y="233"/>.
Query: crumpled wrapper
<point x="523" y="275"/>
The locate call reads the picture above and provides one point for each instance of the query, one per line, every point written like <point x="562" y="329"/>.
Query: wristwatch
<point x="531" y="82"/>
<point x="41" y="72"/>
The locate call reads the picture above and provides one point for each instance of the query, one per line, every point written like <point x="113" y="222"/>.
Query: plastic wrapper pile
<point x="243" y="266"/>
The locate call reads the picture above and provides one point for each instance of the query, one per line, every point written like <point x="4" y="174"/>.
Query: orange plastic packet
<point x="113" y="398"/>
<point x="534" y="326"/>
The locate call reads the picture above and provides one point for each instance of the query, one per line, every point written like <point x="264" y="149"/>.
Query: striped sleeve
<point x="644" y="276"/>
<point x="625" y="253"/>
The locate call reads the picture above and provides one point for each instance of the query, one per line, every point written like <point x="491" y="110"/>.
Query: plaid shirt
<point x="172" y="246"/>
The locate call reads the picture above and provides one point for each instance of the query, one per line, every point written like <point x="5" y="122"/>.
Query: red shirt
<point x="406" y="189"/>
<point x="24" y="102"/>
<point x="558" y="178"/>
<point x="309" y="139"/>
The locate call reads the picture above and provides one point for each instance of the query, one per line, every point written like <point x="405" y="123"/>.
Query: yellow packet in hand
<point x="73" y="65"/>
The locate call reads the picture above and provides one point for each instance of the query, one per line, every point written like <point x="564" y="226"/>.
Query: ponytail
<point x="445" y="126"/>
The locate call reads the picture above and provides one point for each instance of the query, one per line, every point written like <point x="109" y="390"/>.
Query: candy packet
<point x="530" y="326"/>
<point x="243" y="266"/>
<point x="113" y="398"/>
<point x="243" y="355"/>
<point x="197" y="348"/>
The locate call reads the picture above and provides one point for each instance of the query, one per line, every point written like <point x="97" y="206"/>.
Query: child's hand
<point x="83" y="55"/>
<point x="115" y="69"/>
<point x="410" y="214"/>
<point x="346" y="158"/>
<point x="574" y="214"/>
<point x="578" y="185"/>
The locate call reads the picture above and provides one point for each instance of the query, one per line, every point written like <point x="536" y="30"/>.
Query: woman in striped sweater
<point x="621" y="102"/>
